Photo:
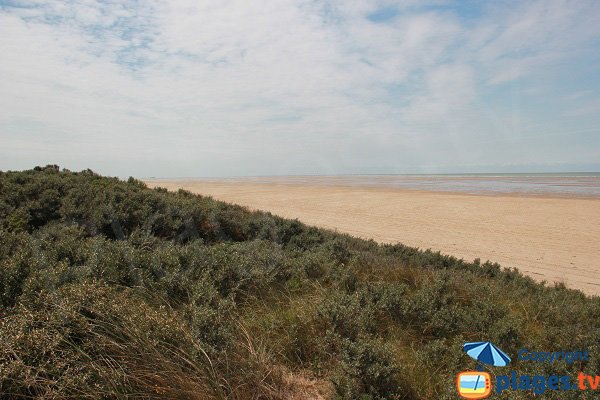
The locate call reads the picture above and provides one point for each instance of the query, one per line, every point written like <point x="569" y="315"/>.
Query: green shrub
<point x="109" y="289"/>
<point x="367" y="371"/>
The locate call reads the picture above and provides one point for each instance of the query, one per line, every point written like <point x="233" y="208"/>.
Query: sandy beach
<point x="549" y="238"/>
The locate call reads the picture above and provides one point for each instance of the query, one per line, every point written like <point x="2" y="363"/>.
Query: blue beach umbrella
<point x="486" y="353"/>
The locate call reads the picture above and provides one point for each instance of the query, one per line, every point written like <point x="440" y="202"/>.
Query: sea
<point x="576" y="184"/>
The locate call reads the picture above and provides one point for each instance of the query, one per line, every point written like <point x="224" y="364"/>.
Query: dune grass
<point x="109" y="289"/>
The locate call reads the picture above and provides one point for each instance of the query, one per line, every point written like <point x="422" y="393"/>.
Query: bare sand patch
<point x="552" y="239"/>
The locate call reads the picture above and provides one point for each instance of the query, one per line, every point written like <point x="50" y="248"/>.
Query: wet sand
<point x="549" y="238"/>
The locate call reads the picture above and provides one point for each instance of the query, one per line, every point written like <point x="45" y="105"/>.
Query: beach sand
<point x="552" y="239"/>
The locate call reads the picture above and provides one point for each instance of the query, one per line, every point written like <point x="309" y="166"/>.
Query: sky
<point x="192" y="88"/>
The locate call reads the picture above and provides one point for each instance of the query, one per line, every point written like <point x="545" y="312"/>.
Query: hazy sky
<point x="226" y="87"/>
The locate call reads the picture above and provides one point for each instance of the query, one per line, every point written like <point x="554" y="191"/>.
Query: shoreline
<point x="153" y="182"/>
<point x="546" y="237"/>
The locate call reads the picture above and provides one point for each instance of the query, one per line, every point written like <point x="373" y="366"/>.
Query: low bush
<point x="110" y="289"/>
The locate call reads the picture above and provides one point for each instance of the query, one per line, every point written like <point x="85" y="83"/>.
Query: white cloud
<point x="287" y="86"/>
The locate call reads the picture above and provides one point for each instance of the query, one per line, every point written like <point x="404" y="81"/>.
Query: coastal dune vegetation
<point x="109" y="289"/>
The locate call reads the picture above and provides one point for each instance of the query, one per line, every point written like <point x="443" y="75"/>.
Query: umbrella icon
<point x="486" y="353"/>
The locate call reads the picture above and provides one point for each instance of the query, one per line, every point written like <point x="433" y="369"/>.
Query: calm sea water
<point x="557" y="184"/>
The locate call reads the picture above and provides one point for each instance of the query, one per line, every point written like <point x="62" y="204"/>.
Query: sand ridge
<point x="552" y="239"/>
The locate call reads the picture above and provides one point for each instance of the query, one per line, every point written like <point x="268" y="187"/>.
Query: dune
<point x="550" y="239"/>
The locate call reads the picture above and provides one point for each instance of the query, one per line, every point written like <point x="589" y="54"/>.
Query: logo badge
<point x="474" y="385"/>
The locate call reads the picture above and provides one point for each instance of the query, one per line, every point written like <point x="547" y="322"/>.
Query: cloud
<point x="289" y="86"/>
